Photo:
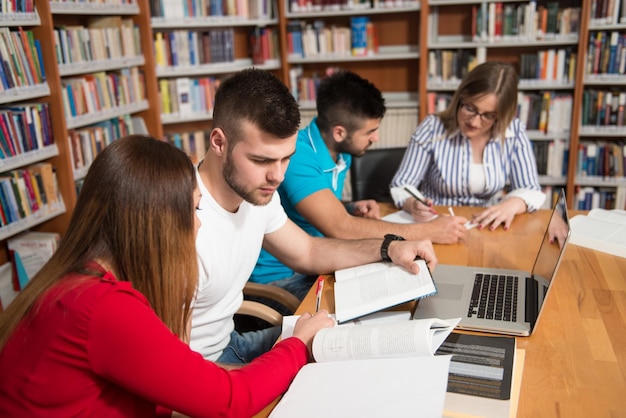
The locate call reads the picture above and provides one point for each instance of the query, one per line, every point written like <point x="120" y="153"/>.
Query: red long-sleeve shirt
<point x="99" y="350"/>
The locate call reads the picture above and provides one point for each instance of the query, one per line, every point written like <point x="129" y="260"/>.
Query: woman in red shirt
<point x="96" y="332"/>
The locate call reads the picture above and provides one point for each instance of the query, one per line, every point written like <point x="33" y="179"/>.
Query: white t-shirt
<point x="228" y="246"/>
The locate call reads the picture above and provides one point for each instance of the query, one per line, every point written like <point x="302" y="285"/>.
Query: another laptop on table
<point x="498" y="300"/>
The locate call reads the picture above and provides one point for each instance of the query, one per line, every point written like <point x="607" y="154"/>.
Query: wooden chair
<point x="262" y="311"/>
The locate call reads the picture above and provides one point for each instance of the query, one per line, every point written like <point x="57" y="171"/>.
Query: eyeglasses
<point x="470" y="111"/>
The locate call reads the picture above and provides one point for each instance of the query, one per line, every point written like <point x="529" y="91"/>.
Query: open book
<point x="372" y="287"/>
<point x="601" y="230"/>
<point x="377" y="369"/>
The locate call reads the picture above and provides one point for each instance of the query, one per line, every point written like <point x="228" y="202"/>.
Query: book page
<point x="601" y="230"/>
<point x="289" y="321"/>
<point x="372" y="287"/>
<point x="391" y="387"/>
<point x="393" y="339"/>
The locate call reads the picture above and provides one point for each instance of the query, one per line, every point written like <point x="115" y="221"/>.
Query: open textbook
<point x="369" y="288"/>
<point x="601" y="230"/>
<point x="376" y="369"/>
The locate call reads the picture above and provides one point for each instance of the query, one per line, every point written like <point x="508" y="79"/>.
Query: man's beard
<point x="347" y="147"/>
<point x="230" y="175"/>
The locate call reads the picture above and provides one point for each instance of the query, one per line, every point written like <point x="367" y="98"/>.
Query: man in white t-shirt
<point x="255" y="125"/>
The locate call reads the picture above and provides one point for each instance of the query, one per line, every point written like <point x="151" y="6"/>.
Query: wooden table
<point x="575" y="364"/>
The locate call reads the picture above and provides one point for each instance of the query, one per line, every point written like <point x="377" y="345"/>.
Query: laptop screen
<point x="549" y="256"/>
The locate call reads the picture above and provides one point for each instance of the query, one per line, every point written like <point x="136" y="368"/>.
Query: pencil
<point x="406" y="189"/>
<point x="318" y="293"/>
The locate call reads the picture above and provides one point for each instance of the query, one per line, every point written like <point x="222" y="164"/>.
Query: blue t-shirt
<point x="311" y="169"/>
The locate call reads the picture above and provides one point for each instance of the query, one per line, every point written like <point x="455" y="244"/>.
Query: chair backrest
<point x="371" y="174"/>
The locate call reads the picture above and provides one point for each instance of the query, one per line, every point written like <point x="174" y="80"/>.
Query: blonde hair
<point x="136" y="213"/>
<point x="493" y="77"/>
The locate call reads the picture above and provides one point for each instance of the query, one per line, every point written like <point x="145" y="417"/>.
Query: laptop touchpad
<point x="449" y="291"/>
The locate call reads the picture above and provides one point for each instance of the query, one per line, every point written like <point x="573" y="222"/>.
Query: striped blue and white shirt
<point x="438" y="166"/>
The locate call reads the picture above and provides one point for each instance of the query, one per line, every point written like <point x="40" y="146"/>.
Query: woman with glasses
<point x="466" y="154"/>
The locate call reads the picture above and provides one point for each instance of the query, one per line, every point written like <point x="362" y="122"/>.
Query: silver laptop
<point x="498" y="300"/>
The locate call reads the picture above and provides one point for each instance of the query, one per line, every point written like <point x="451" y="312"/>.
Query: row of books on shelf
<point x="264" y="45"/>
<point x="307" y="6"/>
<point x="242" y="9"/>
<point x="185" y="48"/>
<point x="24" y="128"/>
<point x="102" y="90"/>
<point x="606" y="53"/>
<point x="551" y="157"/>
<point x="21" y="61"/>
<point x="588" y="198"/>
<point x="27" y="191"/>
<point x="546" y="65"/>
<point x="492" y="21"/>
<point x="549" y="65"/>
<point x="102" y="39"/>
<point x="601" y="159"/>
<point x="186" y="96"/>
<point x="18" y="6"/>
<point x="312" y="39"/>
<point x="607" y="12"/>
<point x="548" y="112"/>
<point x="193" y="143"/>
<point x="86" y="143"/>
<point x="603" y="108"/>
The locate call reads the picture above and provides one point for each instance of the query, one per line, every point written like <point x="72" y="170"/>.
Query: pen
<point x="318" y="293"/>
<point x="406" y="189"/>
<point x="451" y="211"/>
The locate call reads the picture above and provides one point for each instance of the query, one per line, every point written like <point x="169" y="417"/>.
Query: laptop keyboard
<point x="494" y="297"/>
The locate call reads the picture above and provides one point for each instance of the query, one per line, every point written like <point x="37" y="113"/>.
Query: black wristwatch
<point x="384" y="248"/>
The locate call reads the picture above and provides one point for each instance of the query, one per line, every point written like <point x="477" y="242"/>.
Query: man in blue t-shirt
<point x="350" y="110"/>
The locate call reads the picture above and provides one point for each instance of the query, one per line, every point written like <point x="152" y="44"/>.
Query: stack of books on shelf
<point x="551" y="157"/>
<point x="264" y="45"/>
<point x="547" y="112"/>
<point x="185" y="98"/>
<point x="588" y="198"/>
<point x="241" y="9"/>
<point x="87" y="143"/>
<point x="601" y="159"/>
<point x="606" y="53"/>
<point x="21" y="62"/>
<point x="103" y="39"/>
<point x="506" y="21"/>
<point x="26" y="192"/>
<point x="603" y="108"/>
<point x="193" y="143"/>
<point x="102" y="91"/>
<point x="23" y="128"/>
<point x="607" y="12"/>
<point x="183" y="48"/>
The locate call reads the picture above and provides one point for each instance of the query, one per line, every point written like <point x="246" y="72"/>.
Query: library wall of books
<point x="77" y="74"/>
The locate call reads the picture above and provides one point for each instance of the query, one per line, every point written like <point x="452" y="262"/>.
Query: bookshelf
<point x="28" y="198"/>
<point x="385" y="49"/>
<point x="198" y="43"/>
<point x="598" y="179"/>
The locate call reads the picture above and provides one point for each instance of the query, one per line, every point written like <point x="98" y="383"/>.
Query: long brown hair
<point x="136" y="212"/>
<point x="492" y="77"/>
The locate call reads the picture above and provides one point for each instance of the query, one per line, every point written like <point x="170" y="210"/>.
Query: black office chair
<point x="371" y="174"/>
